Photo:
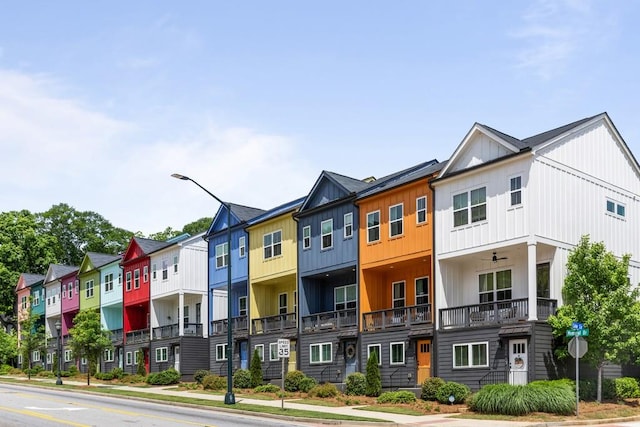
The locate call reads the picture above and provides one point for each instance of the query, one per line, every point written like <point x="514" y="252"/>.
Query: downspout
<point x="434" y="346"/>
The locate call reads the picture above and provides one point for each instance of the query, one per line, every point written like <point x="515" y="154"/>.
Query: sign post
<point x="283" y="354"/>
<point x="577" y="331"/>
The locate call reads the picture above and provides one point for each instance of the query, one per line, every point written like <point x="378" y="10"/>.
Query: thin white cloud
<point x="554" y="34"/>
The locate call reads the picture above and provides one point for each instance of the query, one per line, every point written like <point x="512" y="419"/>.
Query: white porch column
<point x="531" y="277"/>
<point x="181" y="313"/>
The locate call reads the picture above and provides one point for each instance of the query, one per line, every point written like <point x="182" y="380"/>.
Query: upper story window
<point x="543" y="282"/>
<point x="345" y="297"/>
<point x="23" y="302"/>
<point x="36" y="298"/>
<point x="108" y="282"/>
<point x="616" y="208"/>
<point x="494" y="286"/>
<point x="242" y="306"/>
<point x="222" y="255"/>
<point x="175" y="264"/>
<point x="128" y="281"/>
<point x="373" y="226"/>
<point x="398" y="294"/>
<point x="70" y="290"/>
<point x="395" y="220"/>
<point x="306" y="237"/>
<point x="422" y="291"/>
<point x="145" y="273"/>
<point x="348" y="225"/>
<point x="327" y="233"/>
<point x="272" y="243"/>
<point x="165" y="269"/>
<point x="472" y="204"/>
<point x="421" y="210"/>
<point x="88" y="292"/>
<point x="516" y="190"/>
<point x="282" y="303"/>
<point x="154" y="271"/>
<point x="242" y="246"/>
<point x="136" y="278"/>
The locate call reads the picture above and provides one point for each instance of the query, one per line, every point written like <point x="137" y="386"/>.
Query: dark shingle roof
<point x="98" y="259"/>
<point x="351" y="184"/>
<point x="245" y="213"/>
<point x="31" y="279"/>
<point x="278" y="210"/>
<point x="149" y="245"/>
<point x="59" y="270"/>
<point x="402" y="177"/>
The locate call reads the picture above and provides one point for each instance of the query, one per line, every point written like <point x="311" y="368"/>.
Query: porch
<point x="498" y="312"/>
<point x="173" y="330"/>
<point x="238" y="323"/>
<point x="116" y="335"/>
<point x="329" y="320"/>
<point x="397" y="317"/>
<point x="275" y="323"/>
<point x="138" y="336"/>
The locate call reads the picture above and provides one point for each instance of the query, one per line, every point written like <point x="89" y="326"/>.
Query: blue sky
<point x="100" y="102"/>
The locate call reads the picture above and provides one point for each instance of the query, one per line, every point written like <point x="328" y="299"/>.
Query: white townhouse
<point x="507" y="214"/>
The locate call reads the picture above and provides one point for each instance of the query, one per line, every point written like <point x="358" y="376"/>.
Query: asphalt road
<point x="35" y="407"/>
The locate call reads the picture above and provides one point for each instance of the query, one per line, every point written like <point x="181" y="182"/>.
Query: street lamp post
<point x="58" y="351"/>
<point x="229" y="398"/>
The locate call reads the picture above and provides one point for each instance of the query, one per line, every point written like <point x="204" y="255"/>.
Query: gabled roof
<point x="146" y="246"/>
<point x="29" y="279"/>
<point x="349" y="186"/>
<point x="514" y="145"/>
<point x="405" y="176"/>
<point x="57" y="271"/>
<point x="240" y="213"/>
<point x="98" y="259"/>
<point x="277" y="211"/>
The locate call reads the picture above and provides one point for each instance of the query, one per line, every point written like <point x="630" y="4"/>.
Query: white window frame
<point x="348" y="225"/>
<point x="306" y="237"/>
<point x="162" y="354"/>
<point x="108" y="282"/>
<point x="36" y="298"/>
<point x="88" y="292"/>
<point x="154" y="271"/>
<point x="242" y="246"/>
<point x="378" y="350"/>
<point x="129" y="358"/>
<point x="344" y="290"/>
<point x="23" y="302"/>
<point x="615" y="208"/>
<point x="393" y="221"/>
<point x="421" y="210"/>
<point x="128" y="281"/>
<point x="67" y="355"/>
<point x="83" y="361"/>
<point x="492" y="291"/>
<point x="391" y="347"/>
<point x="395" y="298"/>
<point x="108" y="355"/>
<point x="470" y="355"/>
<point x="271" y="246"/>
<point x="242" y="311"/>
<point x="515" y="190"/>
<point x="222" y="255"/>
<point x="260" y="348"/>
<point x="175" y="264"/>
<point x="469" y="208"/>
<point x="136" y="278"/>
<point x="49" y="358"/>
<point x="320" y="348"/>
<point x="273" y="352"/>
<point x="221" y="352"/>
<point x="326" y="234"/>
<point x="135" y="357"/>
<point x="165" y="270"/>
<point x="185" y="315"/>
<point x="283" y="309"/>
<point x="373" y="227"/>
<point x="35" y="356"/>
<point x="424" y="294"/>
<point x="70" y="290"/>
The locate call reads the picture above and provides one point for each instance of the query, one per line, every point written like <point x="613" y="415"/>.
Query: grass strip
<point x="391" y="410"/>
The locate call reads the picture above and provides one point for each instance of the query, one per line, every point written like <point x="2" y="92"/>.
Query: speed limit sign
<point x="283" y="348"/>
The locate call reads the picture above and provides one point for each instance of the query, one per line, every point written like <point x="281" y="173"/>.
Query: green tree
<point x="598" y="293"/>
<point x="255" y="368"/>
<point x="31" y="339"/>
<point x="373" y="379"/>
<point x="24" y="247"/>
<point x="8" y="347"/>
<point x="81" y="232"/>
<point x="198" y="226"/>
<point x="88" y="338"/>
<point x="141" y="369"/>
<point x="168" y="233"/>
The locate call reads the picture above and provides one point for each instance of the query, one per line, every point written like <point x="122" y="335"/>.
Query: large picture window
<point x="472" y="355"/>
<point x="320" y="353"/>
<point x="494" y="286"/>
<point x="471" y="206"/>
<point x="345" y="297"/>
<point x="373" y="226"/>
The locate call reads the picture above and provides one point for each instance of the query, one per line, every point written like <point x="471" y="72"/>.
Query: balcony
<point x="495" y="313"/>
<point x="173" y="330"/>
<point x="239" y="323"/>
<point x="329" y="320"/>
<point x="276" y="323"/>
<point x="397" y="317"/>
<point x="138" y="336"/>
<point x="116" y="335"/>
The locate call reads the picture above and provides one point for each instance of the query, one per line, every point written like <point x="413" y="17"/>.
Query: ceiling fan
<point x="495" y="258"/>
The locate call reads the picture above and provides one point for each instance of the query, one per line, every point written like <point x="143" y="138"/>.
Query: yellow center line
<point x="42" y="416"/>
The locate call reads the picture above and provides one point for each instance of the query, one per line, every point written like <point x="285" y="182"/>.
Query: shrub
<point x="292" y="380"/>
<point x="199" y="374"/>
<point x="430" y="387"/>
<point x="166" y="377"/>
<point x="324" y="390"/>
<point x="46" y="374"/>
<point x="307" y="383"/>
<point x="255" y="367"/>
<point x="356" y="384"/>
<point x="588" y="389"/>
<point x="73" y="370"/>
<point x="141" y="368"/>
<point x="626" y="388"/>
<point x="396" y="397"/>
<point x="373" y="379"/>
<point x="451" y="388"/>
<point x="242" y="378"/>
<point x="104" y="376"/>
<point x="267" y="388"/>
<point x="540" y="396"/>
<point x="554" y="397"/>
<point x="214" y="382"/>
<point x="133" y="379"/>
<point x="117" y="373"/>
<point x="608" y="389"/>
<point x="5" y="369"/>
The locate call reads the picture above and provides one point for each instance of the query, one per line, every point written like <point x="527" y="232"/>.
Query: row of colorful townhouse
<point x="445" y="268"/>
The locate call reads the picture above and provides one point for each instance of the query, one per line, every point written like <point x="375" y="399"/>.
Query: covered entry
<point x="423" y="359"/>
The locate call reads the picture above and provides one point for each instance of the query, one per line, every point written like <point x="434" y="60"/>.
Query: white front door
<point x="176" y="357"/>
<point x="518" y="362"/>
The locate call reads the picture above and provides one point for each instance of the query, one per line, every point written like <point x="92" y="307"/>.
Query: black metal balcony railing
<point x="138" y="336"/>
<point x="239" y="323"/>
<point x="330" y="320"/>
<point x="498" y="312"/>
<point x="275" y="323"/>
<point x="116" y="335"/>
<point x="397" y="317"/>
<point x="173" y="330"/>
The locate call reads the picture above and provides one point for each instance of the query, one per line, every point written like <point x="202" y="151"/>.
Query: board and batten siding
<point x="265" y="269"/>
<point x="239" y="266"/>
<point x="194" y="355"/>
<point x="332" y="371"/>
<point x="113" y="296"/>
<point x="392" y="376"/>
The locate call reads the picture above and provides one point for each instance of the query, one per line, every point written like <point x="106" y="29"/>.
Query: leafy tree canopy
<point x="88" y="338"/>
<point x="597" y="293"/>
